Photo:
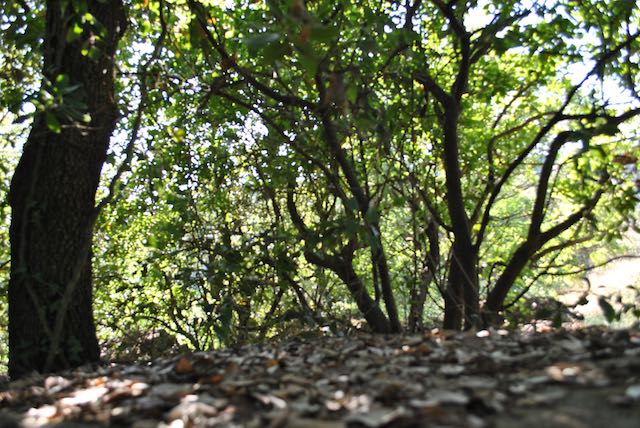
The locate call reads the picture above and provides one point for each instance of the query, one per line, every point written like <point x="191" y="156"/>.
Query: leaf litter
<point x="563" y="378"/>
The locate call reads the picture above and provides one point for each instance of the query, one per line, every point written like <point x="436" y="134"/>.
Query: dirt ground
<point x="490" y="378"/>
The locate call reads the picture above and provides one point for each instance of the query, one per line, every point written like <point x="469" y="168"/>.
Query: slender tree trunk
<point x="453" y="300"/>
<point x="536" y="239"/>
<point x="364" y="204"/>
<point x="52" y="197"/>
<point x="461" y="296"/>
<point x="385" y="285"/>
<point x="342" y="266"/>
<point x="432" y="261"/>
<point x="498" y="294"/>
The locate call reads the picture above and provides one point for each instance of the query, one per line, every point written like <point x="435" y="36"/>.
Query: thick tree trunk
<point x="461" y="298"/>
<point x="453" y="300"/>
<point x="52" y="197"/>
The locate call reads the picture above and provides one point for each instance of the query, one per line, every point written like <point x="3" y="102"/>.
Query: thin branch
<point x="599" y="265"/>
<point x="137" y="122"/>
<point x="23" y="4"/>
<point x="290" y="100"/>
<point x="432" y="87"/>
<point x="559" y="247"/>
<point x="333" y="178"/>
<point x="483" y="43"/>
<point x="411" y="12"/>
<point x="524" y="291"/>
<point x="558" y="116"/>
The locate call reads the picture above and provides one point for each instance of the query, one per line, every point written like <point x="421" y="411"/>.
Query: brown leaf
<point x="184" y="366"/>
<point x="212" y="379"/>
<point x="305" y="33"/>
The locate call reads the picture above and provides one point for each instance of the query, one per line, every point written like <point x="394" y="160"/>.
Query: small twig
<point x="590" y="268"/>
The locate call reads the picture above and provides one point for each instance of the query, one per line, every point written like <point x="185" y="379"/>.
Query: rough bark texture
<point x="52" y="197"/>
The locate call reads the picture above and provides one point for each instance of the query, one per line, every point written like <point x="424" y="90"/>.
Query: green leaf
<point x="62" y="80"/>
<point x="372" y="216"/>
<point x="275" y="9"/>
<point x="351" y="226"/>
<point x="87" y="17"/>
<point x="352" y="93"/>
<point x="74" y="33"/>
<point x="309" y="63"/>
<point x="607" y="310"/>
<point x="351" y="204"/>
<point x="53" y="123"/>
<point x="69" y="89"/>
<point x="322" y="34"/>
<point x="372" y="241"/>
<point x="223" y="326"/>
<point x="259" y="41"/>
<point x="276" y="51"/>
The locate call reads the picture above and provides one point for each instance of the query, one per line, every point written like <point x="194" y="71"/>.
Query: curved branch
<point x="290" y="100"/>
<point x="557" y="117"/>
<point x="596" y="266"/>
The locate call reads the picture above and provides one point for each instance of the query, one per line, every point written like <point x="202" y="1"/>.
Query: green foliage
<point x="618" y="305"/>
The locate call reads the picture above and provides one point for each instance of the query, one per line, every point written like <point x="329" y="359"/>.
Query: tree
<point x="386" y="102"/>
<point x="312" y="161"/>
<point x="53" y="189"/>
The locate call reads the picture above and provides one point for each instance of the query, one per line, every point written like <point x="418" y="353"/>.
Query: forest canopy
<point x="283" y="166"/>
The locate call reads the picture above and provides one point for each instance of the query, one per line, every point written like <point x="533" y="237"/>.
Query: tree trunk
<point x="453" y="300"/>
<point x="461" y="296"/>
<point x="342" y="266"/>
<point x="52" y="197"/>
<point x="498" y="294"/>
<point x="427" y="276"/>
<point x="385" y="284"/>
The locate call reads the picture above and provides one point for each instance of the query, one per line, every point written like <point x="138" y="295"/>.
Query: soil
<point x="542" y="377"/>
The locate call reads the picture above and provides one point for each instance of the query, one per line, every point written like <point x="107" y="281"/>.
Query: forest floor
<point x="587" y="377"/>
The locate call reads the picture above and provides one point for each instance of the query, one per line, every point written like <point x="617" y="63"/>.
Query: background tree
<point x="320" y="76"/>
<point x="53" y="189"/>
<point x="309" y="154"/>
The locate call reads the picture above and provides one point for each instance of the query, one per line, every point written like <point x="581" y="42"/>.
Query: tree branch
<point x="290" y="100"/>
<point x="596" y="266"/>
<point x="142" y="104"/>
<point x="557" y="117"/>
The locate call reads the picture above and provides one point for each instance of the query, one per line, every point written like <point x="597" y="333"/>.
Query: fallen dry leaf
<point x="439" y="378"/>
<point x="184" y="366"/>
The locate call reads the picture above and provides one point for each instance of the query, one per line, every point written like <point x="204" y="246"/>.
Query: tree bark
<point x="342" y="266"/>
<point x="52" y="197"/>
<point x="427" y="276"/>
<point x="461" y="296"/>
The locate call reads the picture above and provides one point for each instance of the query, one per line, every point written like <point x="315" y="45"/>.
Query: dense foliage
<point x="287" y="165"/>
